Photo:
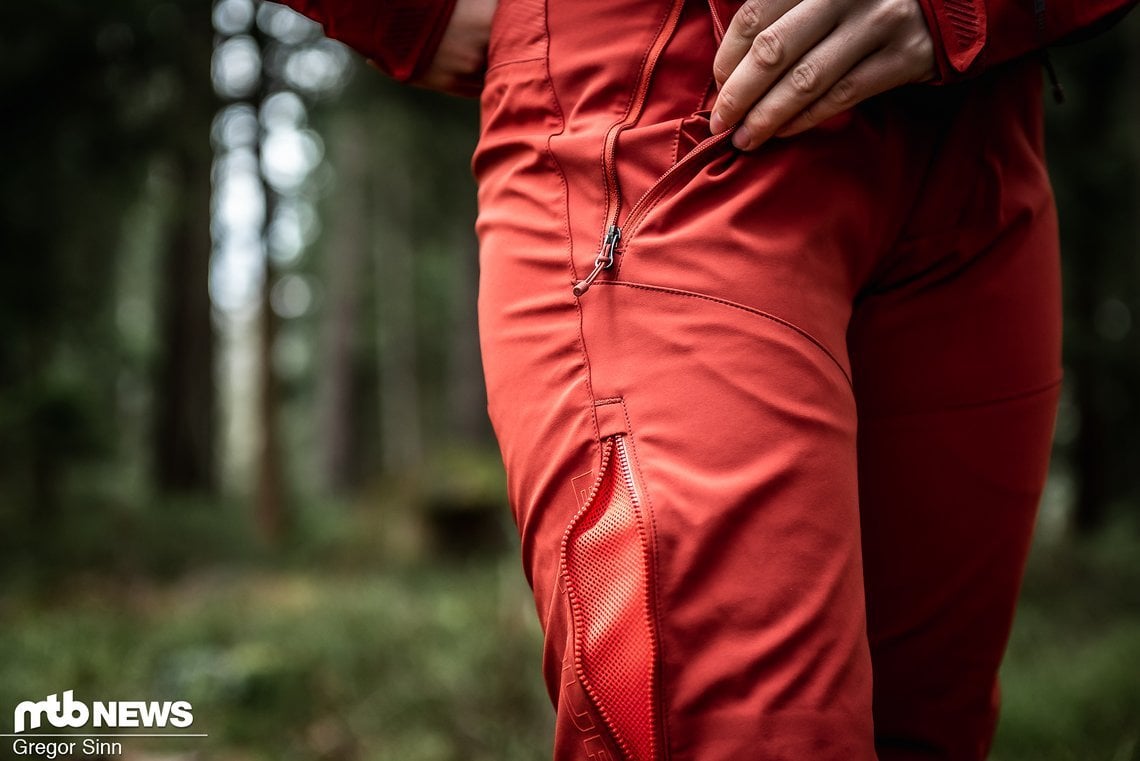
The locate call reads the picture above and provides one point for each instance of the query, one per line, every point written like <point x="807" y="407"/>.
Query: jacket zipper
<point x="612" y="231"/>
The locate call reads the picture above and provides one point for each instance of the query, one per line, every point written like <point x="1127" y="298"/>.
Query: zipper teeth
<point x="626" y="470"/>
<point x="617" y="237"/>
<point x="718" y="23"/>
<point x="657" y="189"/>
<point x="575" y="612"/>
<point x="621" y="461"/>
<point x="625" y="465"/>
<point x="633" y="111"/>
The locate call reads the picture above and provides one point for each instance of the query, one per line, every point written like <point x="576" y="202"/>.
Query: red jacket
<point x="972" y="35"/>
<point x="401" y="36"/>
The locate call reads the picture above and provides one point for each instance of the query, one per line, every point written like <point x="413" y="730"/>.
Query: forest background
<point x="244" y="456"/>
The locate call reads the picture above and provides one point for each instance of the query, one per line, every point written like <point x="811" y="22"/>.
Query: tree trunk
<point x="337" y="387"/>
<point x="466" y="390"/>
<point x="270" y="497"/>
<point x="400" y="437"/>
<point x="185" y="399"/>
<point x="186" y="392"/>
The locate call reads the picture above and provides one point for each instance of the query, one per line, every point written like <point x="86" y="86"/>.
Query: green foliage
<point x="95" y="91"/>
<point x="1071" y="679"/>
<point x="375" y="656"/>
<point x="1094" y="158"/>
<point x="423" y="664"/>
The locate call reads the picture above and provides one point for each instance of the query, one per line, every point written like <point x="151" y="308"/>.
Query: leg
<point x="956" y="357"/>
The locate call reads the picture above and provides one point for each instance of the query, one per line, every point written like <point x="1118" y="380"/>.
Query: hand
<point x="461" y="59"/>
<point x="787" y="65"/>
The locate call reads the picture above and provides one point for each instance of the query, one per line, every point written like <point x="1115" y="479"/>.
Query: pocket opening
<point x="606" y="568"/>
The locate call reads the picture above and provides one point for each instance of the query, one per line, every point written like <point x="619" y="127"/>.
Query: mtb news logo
<point x="70" y="713"/>
<point x="101" y="725"/>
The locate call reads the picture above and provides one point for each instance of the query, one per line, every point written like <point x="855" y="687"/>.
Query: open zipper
<point x="613" y="230"/>
<point x="626" y="467"/>
<point x="634" y="739"/>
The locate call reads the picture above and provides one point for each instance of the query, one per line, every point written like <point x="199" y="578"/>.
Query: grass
<point x="422" y="664"/>
<point x="347" y="647"/>
<point x="1071" y="678"/>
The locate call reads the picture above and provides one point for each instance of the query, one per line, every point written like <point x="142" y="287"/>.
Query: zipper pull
<point x="604" y="261"/>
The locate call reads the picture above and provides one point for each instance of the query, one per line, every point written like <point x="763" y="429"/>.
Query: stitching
<point x="501" y="64"/>
<point x="725" y="302"/>
<point x="677" y="142"/>
<point x="561" y="173"/>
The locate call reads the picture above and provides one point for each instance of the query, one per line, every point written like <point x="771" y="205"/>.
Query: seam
<point x="1006" y="399"/>
<point x="725" y="302"/>
<point x="677" y="142"/>
<point x="513" y="62"/>
<point x="566" y="231"/>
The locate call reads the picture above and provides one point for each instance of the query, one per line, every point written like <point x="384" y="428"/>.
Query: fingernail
<point x="716" y="124"/>
<point x="742" y="140"/>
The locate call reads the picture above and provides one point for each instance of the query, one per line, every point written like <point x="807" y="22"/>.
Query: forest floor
<point x="349" y="652"/>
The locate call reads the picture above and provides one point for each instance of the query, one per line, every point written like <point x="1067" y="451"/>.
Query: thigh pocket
<point x="606" y="566"/>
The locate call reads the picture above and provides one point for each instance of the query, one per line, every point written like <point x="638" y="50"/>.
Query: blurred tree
<point x="1095" y="161"/>
<point x="395" y="259"/>
<point x="399" y="267"/>
<point x="185" y="392"/>
<point x="96" y="93"/>
<point x="339" y="385"/>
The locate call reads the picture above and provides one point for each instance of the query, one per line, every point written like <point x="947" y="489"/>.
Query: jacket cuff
<point x="958" y="28"/>
<point x="400" y="36"/>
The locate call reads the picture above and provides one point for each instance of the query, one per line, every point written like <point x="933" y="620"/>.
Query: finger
<point x="753" y="17"/>
<point x="811" y="78"/>
<point x="771" y="53"/>
<point x="874" y="75"/>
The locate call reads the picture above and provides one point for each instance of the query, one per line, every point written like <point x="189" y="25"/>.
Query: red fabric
<point x="400" y="36"/>
<point x="972" y="35"/>
<point x="606" y="574"/>
<point x="833" y="365"/>
<point x="826" y="373"/>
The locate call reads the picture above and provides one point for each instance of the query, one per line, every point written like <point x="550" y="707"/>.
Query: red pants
<point x="776" y="471"/>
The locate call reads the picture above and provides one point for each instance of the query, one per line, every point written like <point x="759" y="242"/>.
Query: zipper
<point x="604" y="261"/>
<point x="611" y="230"/>
<point x="627" y="471"/>
<point x="615" y="234"/>
<point x="666" y="181"/>
<point x="615" y="454"/>
<point x="718" y="23"/>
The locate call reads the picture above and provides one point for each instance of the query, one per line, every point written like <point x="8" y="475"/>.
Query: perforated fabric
<point x="606" y="567"/>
